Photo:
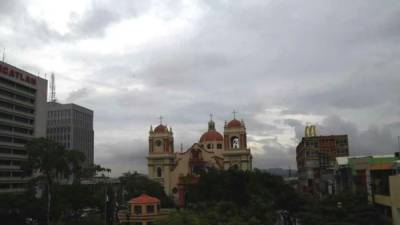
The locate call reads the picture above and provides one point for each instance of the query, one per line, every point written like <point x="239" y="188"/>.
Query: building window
<point x="5" y="162"/>
<point x="4" y="186"/>
<point x="150" y="208"/>
<point x="235" y="167"/>
<point x="159" y="172"/>
<point x="5" y="151"/>
<point x="219" y="146"/>
<point x="5" y="139"/>
<point x="137" y="209"/>
<point x="235" y="142"/>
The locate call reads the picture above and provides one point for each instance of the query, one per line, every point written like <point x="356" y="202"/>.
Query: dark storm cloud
<point x="274" y="155"/>
<point x="372" y="86"/>
<point x="298" y="126"/>
<point x="321" y="58"/>
<point x="9" y="7"/>
<point x="101" y="14"/>
<point x="77" y="94"/>
<point x="30" y="32"/>
<point x="94" y="22"/>
<point x="306" y="58"/>
<point x="373" y="140"/>
<point x="25" y="31"/>
<point x="117" y="157"/>
<point x="171" y="69"/>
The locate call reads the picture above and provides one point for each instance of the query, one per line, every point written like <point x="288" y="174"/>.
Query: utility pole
<point x="398" y="142"/>
<point x="105" y="204"/>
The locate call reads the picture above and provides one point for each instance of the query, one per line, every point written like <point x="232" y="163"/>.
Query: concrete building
<point x="72" y="126"/>
<point x="315" y="156"/>
<point x="23" y="98"/>
<point x="376" y="175"/>
<point x="213" y="150"/>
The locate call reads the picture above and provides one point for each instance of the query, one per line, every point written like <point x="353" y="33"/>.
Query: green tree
<point x="183" y="218"/>
<point x="353" y="209"/>
<point x="135" y="184"/>
<point x="238" y="197"/>
<point x="49" y="161"/>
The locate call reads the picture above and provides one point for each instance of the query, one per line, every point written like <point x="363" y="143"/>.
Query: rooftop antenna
<point x="53" y="88"/>
<point x="4" y="54"/>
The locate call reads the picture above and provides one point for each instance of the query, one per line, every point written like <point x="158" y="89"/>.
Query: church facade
<point x="213" y="150"/>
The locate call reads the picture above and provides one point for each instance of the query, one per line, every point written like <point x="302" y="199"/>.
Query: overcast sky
<point x="280" y="64"/>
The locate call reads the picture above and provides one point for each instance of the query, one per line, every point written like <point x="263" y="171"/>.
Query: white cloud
<point x="280" y="64"/>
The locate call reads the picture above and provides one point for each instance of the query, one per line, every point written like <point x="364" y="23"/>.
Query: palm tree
<point x="48" y="161"/>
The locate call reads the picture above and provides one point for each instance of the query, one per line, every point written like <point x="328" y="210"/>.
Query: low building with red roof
<point x="142" y="210"/>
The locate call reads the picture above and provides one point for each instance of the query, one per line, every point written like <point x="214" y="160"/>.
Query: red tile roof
<point x="160" y="129"/>
<point x="144" y="199"/>
<point x="211" y="135"/>
<point x="234" y="123"/>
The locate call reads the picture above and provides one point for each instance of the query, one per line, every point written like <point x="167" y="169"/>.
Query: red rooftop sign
<point x="10" y="72"/>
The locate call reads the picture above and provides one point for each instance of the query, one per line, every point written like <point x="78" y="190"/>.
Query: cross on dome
<point x="211" y="124"/>
<point x="234" y="114"/>
<point x="161" y="118"/>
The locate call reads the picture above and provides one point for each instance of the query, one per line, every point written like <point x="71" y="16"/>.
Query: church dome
<point x="160" y="129"/>
<point x="234" y="123"/>
<point x="211" y="135"/>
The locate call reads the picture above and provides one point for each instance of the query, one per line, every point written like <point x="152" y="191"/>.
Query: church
<point x="213" y="150"/>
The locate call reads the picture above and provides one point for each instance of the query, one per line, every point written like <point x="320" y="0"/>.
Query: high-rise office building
<point x="72" y="126"/>
<point x="23" y="98"/>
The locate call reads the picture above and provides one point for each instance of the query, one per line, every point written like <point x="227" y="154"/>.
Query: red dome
<point x="144" y="199"/>
<point x="234" y="123"/>
<point x="211" y="135"/>
<point x="160" y="129"/>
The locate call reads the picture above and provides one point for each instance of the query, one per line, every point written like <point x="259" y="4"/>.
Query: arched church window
<point x="159" y="172"/>
<point x="235" y="142"/>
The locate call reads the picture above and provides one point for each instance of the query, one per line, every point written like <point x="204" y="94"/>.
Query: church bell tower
<point x="236" y="154"/>
<point x="161" y="155"/>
